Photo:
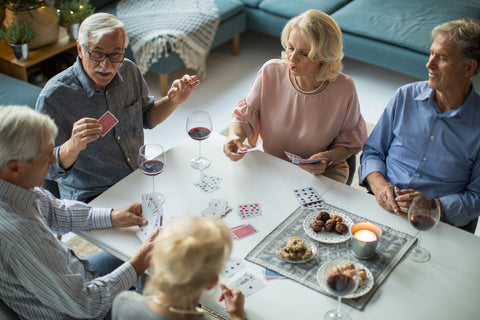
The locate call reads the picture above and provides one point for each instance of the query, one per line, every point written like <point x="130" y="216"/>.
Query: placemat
<point x="391" y="247"/>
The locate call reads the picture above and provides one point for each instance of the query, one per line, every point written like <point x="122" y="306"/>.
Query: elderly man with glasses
<point x="89" y="160"/>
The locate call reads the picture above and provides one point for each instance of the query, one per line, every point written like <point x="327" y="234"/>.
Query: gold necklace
<point x="197" y="312"/>
<point x="295" y="84"/>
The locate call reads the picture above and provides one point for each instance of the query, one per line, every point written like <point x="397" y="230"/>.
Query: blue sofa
<point x="392" y="34"/>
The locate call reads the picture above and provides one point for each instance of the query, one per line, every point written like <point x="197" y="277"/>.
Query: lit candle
<point x="365" y="235"/>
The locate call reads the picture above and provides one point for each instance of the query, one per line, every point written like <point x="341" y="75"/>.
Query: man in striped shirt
<point x="40" y="277"/>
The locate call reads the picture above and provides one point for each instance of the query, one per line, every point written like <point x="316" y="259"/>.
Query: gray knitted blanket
<point x="186" y="27"/>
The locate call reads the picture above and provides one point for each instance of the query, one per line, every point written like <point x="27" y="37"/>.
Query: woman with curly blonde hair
<point x="303" y="103"/>
<point x="187" y="259"/>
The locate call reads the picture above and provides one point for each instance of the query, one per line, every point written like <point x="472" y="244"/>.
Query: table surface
<point x="443" y="288"/>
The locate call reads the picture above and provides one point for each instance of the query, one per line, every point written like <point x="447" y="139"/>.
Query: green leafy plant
<point x="17" y="33"/>
<point x="75" y="11"/>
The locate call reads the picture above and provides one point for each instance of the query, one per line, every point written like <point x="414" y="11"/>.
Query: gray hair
<point x="97" y="25"/>
<point x="22" y="130"/>
<point x="465" y="33"/>
<point x="325" y="39"/>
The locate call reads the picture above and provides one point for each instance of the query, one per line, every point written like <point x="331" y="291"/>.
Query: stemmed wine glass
<point x="339" y="284"/>
<point x="423" y="214"/>
<point x="152" y="160"/>
<point x="199" y="127"/>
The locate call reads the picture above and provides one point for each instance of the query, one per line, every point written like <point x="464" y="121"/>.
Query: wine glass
<point x="332" y="277"/>
<point x="152" y="160"/>
<point x="199" y="127"/>
<point x="423" y="214"/>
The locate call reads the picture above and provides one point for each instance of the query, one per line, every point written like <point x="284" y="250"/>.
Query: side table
<point x="22" y="70"/>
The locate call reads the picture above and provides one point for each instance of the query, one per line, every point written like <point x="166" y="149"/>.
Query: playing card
<point x="249" y="210"/>
<point x="233" y="266"/>
<point x="296" y="159"/>
<point x="216" y="207"/>
<point x="243" y="231"/>
<point x="108" y="121"/>
<point x="208" y="184"/>
<point x="272" y="275"/>
<point x="307" y="196"/>
<point x="248" y="150"/>
<point x="248" y="284"/>
<point x="152" y="211"/>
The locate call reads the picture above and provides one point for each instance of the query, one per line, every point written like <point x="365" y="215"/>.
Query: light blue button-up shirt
<point x="70" y="96"/>
<point x="414" y="145"/>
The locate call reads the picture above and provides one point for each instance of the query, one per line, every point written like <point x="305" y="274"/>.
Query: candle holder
<point x="364" y="238"/>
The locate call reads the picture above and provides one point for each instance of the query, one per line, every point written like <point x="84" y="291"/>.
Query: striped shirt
<point x="40" y="277"/>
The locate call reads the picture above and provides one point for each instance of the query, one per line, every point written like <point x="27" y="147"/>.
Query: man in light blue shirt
<point x="427" y="141"/>
<point x="40" y="277"/>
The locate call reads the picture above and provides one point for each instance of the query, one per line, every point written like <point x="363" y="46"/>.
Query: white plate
<point x="309" y="244"/>
<point x="362" y="289"/>
<point x="327" y="236"/>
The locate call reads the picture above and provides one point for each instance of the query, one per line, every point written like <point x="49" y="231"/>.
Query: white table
<point x="443" y="288"/>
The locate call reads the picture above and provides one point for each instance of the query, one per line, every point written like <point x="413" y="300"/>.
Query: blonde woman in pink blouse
<point x="302" y="103"/>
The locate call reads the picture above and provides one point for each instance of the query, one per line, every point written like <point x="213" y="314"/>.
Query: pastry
<point x="337" y="218"/>
<point x="330" y="225"/>
<point x="323" y="215"/>
<point x="317" y="225"/>
<point x="341" y="228"/>
<point x="295" y="250"/>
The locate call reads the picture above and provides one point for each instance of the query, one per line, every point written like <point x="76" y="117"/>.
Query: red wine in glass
<point x="338" y="283"/>
<point x="199" y="126"/>
<point x="422" y="222"/>
<point x="423" y="214"/>
<point x="199" y="133"/>
<point x="341" y="284"/>
<point x="152" y="167"/>
<point x="151" y="161"/>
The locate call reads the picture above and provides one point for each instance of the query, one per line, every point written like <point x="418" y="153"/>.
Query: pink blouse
<point x="303" y="124"/>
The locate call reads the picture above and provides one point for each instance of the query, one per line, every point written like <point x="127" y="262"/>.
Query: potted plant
<point x="41" y="17"/>
<point x="72" y="13"/>
<point x="18" y="34"/>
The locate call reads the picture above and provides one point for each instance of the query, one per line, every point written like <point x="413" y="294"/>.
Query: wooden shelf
<point x="20" y="69"/>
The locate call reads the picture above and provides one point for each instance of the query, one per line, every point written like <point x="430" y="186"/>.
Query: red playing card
<point x="244" y="231"/>
<point x="108" y="121"/>
<point x="249" y="210"/>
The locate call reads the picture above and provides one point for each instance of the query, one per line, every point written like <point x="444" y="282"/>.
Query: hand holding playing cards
<point x="316" y="168"/>
<point x="234" y="148"/>
<point x="84" y="131"/>
<point x="140" y="260"/>
<point x="234" y="302"/>
<point x="181" y="89"/>
<point x="128" y="216"/>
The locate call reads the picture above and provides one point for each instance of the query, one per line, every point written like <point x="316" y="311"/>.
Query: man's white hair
<point x="22" y="131"/>
<point x="97" y="25"/>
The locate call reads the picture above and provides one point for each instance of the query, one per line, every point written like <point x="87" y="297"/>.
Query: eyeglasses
<point x="100" y="56"/>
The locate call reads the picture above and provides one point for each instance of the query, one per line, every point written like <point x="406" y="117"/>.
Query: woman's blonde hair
<point x="325" y="39"/>
<point x="188" y="255"/>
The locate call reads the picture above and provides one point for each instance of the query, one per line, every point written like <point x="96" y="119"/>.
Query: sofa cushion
<point x="97" y="4"/>
<point x="17" y="92"/>
<point x="288" y="8"/>
<point x="229" y="8"/>
<point x="404" y="23"/>
<point x="251" y="3"/>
